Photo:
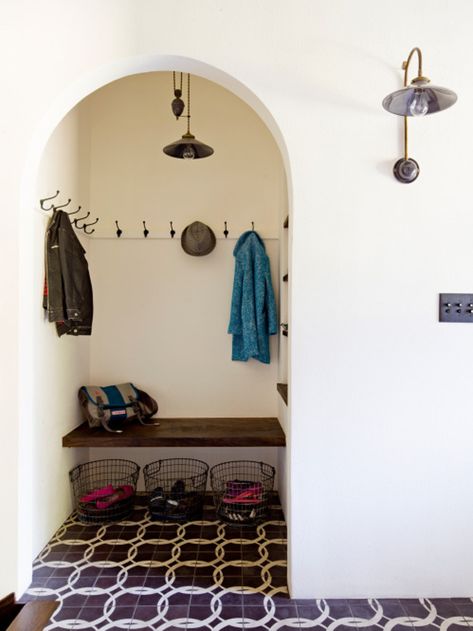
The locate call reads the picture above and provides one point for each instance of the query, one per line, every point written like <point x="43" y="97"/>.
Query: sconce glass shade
<point x="419" y="98"/>
<point x="188" y="147"/>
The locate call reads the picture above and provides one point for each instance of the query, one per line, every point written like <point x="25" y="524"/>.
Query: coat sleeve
<point x="70" y="250"/>
<point x="249" y="311"/>
<point x="53" y="300"/>
<point x="270" y="303"/>
<point x="235" y="325"/>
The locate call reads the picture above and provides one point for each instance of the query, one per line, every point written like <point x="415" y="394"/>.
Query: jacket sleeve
<point x="249" y="312"/>
<point x="235" y="325"/>
<point x="270" y="303"/>
<point x="53" y="298"/>
<point x="70" y="251"/>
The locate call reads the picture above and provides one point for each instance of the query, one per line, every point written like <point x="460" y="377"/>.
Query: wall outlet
<point x="456" y="307"/>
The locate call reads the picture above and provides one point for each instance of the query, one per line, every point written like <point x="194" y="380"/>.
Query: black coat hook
<point x="62" y="205"/>
<point x="85" y="226"/>
<point x="74" y="212"/>
<point x="76" y="221"/>
<point x="45" y="199"/>
<point x="119" y="232"/>
<point x="172" y="232"/>
<point x="253" y="225"/>
<point x="225" y="232"/>
<point x="145" y="231"/>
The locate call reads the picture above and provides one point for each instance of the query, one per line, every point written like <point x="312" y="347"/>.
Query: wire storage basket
<point x="242" y="491"/>
<point x="176" y="488"/>
<point x="104" y="490"/>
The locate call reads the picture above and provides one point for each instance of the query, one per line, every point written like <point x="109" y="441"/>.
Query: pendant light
<point x="188" y="147"/>
<point x="419" y="98"/>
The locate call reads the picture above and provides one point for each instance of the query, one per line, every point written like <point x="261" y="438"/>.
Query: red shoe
<point x="97" y="494"/>
<point x="251" y="495"/>
<point x="119" y="494"/>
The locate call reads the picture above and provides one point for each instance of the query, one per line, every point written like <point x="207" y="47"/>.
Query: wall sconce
<point x="419" y="98"/>
<point x="188" y="147"/>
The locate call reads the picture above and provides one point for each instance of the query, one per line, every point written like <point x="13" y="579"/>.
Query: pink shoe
<point x="119" y="494"/>
<point x="251" y="495"/>
<point x="97" y="493"/>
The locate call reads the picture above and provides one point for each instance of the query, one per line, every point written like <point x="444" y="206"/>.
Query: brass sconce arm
<point x="405" y="65"/>
<point x="419" y="78"/>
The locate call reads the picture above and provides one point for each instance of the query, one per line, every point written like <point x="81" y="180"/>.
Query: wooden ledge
<point x="184" y="432"/>
<point x="282" y="389"/>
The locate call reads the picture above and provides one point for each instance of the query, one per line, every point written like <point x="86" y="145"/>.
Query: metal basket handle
<point x="264" y="474"/>
<point x="74" y="474"/>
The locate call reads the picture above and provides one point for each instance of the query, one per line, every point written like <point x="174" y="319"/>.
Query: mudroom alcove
<point x="160" y="315"/>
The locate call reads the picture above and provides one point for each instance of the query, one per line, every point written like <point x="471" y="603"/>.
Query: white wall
<point x="283" y="460"/>
<point x="37" y="68"/>
<point x="161" y="319"/>
<point x="380" y="389"/>
<point x="60" y="364"/>
<point x="380" y="413"/>
<point x="161" y="316"/>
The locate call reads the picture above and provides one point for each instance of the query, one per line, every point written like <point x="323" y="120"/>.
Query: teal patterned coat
<point x="253" y="316"/>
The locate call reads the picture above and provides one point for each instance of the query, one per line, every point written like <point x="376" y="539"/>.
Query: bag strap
<point x="112" y="397"/>
<point x="103" y="417"/>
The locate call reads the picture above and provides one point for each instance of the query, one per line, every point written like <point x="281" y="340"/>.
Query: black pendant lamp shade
<point x="188" y="147"/>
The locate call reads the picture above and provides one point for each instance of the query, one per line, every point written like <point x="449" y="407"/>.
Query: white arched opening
<point x="28" y="299"/>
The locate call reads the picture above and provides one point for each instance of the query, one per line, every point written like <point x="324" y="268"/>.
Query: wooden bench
<point x="184" y="432"/>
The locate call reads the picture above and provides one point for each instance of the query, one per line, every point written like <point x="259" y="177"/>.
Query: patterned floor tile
<point x="465" y="609"/>
<point x="150" y="575"/>
<point x="340" y="610"/>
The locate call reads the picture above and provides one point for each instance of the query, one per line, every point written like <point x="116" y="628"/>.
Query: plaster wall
<point x="380" y="415"/>
<point x="57" y="364"/>
<point x="36" y="42"/>
<point x="161" y="316"/>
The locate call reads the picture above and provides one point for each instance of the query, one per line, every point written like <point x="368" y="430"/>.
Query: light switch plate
<point x="456" y="307"/>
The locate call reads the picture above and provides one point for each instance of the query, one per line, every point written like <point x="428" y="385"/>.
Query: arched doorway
<point x="29" y="353"/>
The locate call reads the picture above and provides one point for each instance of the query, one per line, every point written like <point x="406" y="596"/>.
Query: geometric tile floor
<point x="155" y="576"/>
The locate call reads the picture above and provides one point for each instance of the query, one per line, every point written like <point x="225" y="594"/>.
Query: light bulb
<point x="188" y="153"/>
<point x="419" y="106"/>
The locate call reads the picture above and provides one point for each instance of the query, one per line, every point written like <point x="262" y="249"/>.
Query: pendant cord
<point x="188" y="102"/>
<point x="174" y="81"/>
